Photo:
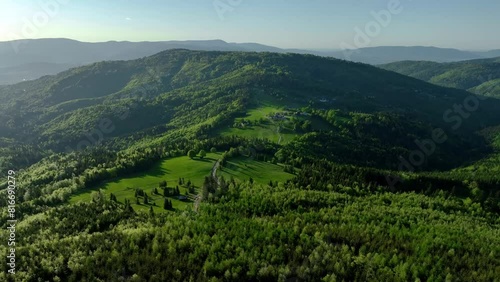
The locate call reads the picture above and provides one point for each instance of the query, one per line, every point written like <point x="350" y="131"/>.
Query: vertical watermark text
<point x="11" y="222"/>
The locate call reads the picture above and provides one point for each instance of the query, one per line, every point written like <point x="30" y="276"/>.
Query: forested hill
<point x="183" y="89"/>
<point x="478" y="76"/>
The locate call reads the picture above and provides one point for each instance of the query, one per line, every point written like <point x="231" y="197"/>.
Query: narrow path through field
<point x="213" y="174"/>
<point x="279" y="134"/>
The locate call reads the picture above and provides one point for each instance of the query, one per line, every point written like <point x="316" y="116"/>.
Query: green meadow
<point x="261" y="172"/>
<point x="169" y="170"/>
<point x="271" y="130"/>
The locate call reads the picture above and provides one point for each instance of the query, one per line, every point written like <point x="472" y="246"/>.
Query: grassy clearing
<point x="261" y="172"/>
<point x="278" y="131"/>
<point x="267" y="132"/>
<point x="169" y="170"/>
<point x="272" y="130"/>
<point x="256" y="123"/>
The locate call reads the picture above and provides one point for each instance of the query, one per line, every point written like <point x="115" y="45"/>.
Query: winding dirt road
<point x="213" y="173"/>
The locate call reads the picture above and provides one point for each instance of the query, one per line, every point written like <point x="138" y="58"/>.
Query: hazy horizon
<point x="287" y="24"/>
<point x="245" y="42"/>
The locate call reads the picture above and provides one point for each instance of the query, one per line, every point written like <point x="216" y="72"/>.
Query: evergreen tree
<point x="223" y="185"/>
<point x="205" y="189"/>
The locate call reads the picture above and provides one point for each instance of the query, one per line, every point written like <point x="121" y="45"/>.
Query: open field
<point x="169" y="170"/>
<point x="257" y="124"/>
<point x="261" y="172"/>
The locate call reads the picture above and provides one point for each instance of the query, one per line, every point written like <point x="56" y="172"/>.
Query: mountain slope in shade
<point x="478" y="76"/>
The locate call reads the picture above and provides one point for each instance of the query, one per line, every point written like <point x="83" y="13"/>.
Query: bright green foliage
<point x="202" y="154"/>
<point x="356" y="237"/>
<point x="191" y="154"/>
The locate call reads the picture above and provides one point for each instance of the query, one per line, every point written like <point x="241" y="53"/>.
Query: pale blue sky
<point x="283" y="23"/>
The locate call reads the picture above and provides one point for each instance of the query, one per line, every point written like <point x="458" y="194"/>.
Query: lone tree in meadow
<point x="202" y="154"/>
<point x="191" y="154"/>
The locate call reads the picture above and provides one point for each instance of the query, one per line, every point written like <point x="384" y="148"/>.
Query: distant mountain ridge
<point x="17" y="58"/>
<point x="381" y="55"/>
<point x="33" y="58"/>
<point x="67" y="51"/>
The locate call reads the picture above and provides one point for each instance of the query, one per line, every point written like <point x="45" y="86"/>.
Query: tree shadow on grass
<point x="205" y="160"/>
<point x="156" y="171"/>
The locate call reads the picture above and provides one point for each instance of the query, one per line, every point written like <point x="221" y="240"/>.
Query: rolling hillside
<point x="195" y="91"/>
<point x="478" y="76"/>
